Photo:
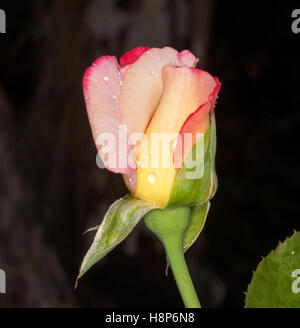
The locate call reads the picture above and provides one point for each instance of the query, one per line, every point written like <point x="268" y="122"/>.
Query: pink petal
<point x="196" y="123"/>
<point x="131" y="56"/>
<point x="101" y="82"/>
<point x="142" y="86"/>
<point x="101" y="86"/>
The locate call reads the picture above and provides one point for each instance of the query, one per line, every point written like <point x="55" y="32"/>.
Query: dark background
<point x="51" y="189"/>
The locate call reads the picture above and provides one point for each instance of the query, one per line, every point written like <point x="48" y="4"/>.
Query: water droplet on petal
<point x="151" y="178"/>
<point x="152" y="72"/>
<point x="121" y="83"/>
<point x="114" y="97"/>
<point x="105" y="78"/>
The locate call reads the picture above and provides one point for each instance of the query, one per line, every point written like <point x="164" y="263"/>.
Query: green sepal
<point x="276" y="281"/>
<point x="213" y="149"/>
<point x="120" y="219"/>
<point x="195" y="192"/>
<point x="196" y="223"/>
<point x="91" y="229"/>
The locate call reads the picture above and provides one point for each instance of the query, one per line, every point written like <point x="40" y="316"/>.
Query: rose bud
<point x="152" y="120"/>
<point x="160" y="100"/>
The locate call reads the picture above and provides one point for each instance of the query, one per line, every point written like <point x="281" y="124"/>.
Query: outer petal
<point x="199" y="189"/>
<point x="142" y="85"/>
<point x="101" y="86"/>
<point x="185" y="90"/>
<point x="131" y="56"/>
<point x="195" y="123"/>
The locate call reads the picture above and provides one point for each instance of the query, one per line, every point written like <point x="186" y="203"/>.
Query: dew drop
<point x="292" y="252"/>
<point x="152" y="72"/>
<point x="151" y="178"/>
<point x="121" y="83"/>
<point x="114" y="97"/>
<point x="105" y="78"/>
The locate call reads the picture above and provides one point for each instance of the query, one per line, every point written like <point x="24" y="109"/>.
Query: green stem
<point x="169" y="226"/>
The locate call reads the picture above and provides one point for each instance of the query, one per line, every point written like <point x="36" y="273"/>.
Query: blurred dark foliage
<point x="51" y="189"/>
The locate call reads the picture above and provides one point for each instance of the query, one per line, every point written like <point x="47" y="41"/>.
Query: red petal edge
<point x="131" y="56"/>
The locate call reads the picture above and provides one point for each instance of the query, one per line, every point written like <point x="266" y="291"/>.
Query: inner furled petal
<point x="142" y="86"/>
<point x="185" y="90"/>
<point x="101" y="86"/>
